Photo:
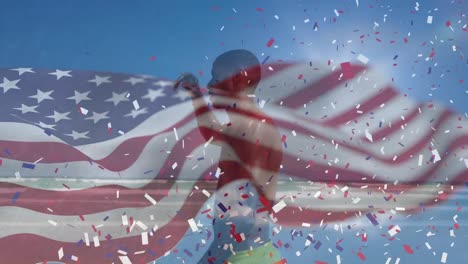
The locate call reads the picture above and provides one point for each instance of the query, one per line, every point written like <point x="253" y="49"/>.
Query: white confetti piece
<point x="151" y="199"/>
<point x="124" y="220"/>
<point x="86" y="238"/>
<point x="362" y="58"/>
<point x="443" y="259"/>
<point x="279" y="206"/>
<point x="452" y="233"/>
<point x="83" y="110"/>
<point x="400" y="208"/>
<point x="205" y="192"/>
<point x="193" y="225"/>
<point x="336" y="13"/>
<point x="221" y="29"/>
<point x="52" y="222"/>
<point x="428" y="246"/>
<point x="369" y="135"/>
<point x="121" y="252"/>
<point x="141" y="225"/>
<point x="60" y="253"/>
<point x="208" y="142"/>
<point x="125" y="260"/>
<point x="17" y="175"/>
<point x="317" y="194"/>
<point x="74" y="258"/>
<point x="357" y="3"/>
<point x="436" y="155"/>
<point x="294" y="133"/>
<point x="144" y="238"/>
<point x="262" y="103"/>
<point x="136" y="105"/>
<point x="388" y="261"/>
<point x="306" y="20"/>
<point x="429" y="20"/>
<point x="338" y="259"/>
<point x="276" y="17"/>
<point x="420" y="160"/>
<point x="466" y="162"/>
<point x="96" y="241"/>
<point x="397" y="261"/>
<point x="218" y="172"/>
<point x="395" y="230"/>
<point x="174" y="165"/>
<point x="298" y="253"/>
<point x="356" y="200"/>
<point x="175" y="133"/>
<point x="305" y="224"/>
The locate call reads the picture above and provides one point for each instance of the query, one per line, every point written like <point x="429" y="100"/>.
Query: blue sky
<point x="164" y="38"/>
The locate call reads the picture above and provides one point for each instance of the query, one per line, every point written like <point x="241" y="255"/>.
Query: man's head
<point x="235" y="73"/>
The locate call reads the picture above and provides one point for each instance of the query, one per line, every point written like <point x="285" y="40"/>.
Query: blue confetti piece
<point x="7" y="151"/>
<point x="265" y="60"/>
<point x="372" y="219"/>
<point x="105" y="218"/>
<point x="317" y="246"/>
<point x="15" y="197"/>
<point x="152" y="253"/>
<point x="148" y="171"/>
<point x="222" y="207"/>
<point x="188" y="252"/>
<point x="29" y="166"/>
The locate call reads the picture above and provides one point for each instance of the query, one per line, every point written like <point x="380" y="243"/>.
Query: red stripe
<point x="375" y="101"/>
<point x="313" y="90"/>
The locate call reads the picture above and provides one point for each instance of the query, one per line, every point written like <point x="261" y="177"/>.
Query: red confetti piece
<point x="456" y="226"/>
<point x="82" y="217"/>
<point x="259" y="9"/>
<point x="320" y="262"/>
<point x="200" y="72"/>
<point x="300" y="76"/>
<point x="361" y="256"/>
<point x="448" y="24"/>
<point x="270" y="42"/>
<point x="408" y="249"/>
<point x="152" y="58"/>
<point x="347" y="70"/>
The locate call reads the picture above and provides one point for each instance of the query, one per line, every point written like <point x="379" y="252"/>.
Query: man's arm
<point x="204" y="114"/>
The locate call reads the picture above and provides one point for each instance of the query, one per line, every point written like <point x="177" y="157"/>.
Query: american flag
<point x="100" y="167"/>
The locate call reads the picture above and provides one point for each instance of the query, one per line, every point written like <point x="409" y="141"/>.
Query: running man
<point x="251" y="154"/>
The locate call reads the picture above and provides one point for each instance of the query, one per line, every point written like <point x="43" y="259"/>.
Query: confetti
<point x="362" y="58"/>
<point x="270" y="42"/>
<point x="279" y="206"/>
<point x="96" y="241"/>
<point x="144" y="238"/>
<point x="429" y="20"/>
<point x="136" y="105"/>
<point x="60" y="253"/>
<point x="125" y="260"/>
<point x="443" y="259"/>
<point x="192" y="225"/>
<point x="395" y="230"/>
<point x="149" y="198"/>
<point x="436" y="155"/>
<point x="348" y="73"/>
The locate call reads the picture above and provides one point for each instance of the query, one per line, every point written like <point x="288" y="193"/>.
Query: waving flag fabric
<point x="101" y="167"/>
